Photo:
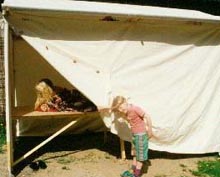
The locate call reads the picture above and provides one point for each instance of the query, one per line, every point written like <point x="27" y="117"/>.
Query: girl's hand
<point x="150" y="135"/>
<point x="104" y="111"/>
<point x="149" y="132"/>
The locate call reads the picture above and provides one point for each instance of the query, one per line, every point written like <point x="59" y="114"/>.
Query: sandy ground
<point x="87" y="156"/>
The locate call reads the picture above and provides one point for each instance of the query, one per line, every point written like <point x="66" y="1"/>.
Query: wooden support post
<point x="46" y="141"/>
<point x="122" y="147"/>
<point x="9" y="130"/>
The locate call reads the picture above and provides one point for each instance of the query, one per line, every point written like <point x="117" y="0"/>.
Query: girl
<point x="141" y="128"/>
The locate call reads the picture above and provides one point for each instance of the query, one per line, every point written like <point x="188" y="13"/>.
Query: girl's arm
<point x="106" y="112"/>
<point x="104" y="109"/>
<point x="148" y="123"/>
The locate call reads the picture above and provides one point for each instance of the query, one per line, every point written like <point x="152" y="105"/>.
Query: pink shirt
<point x="135" y="116"/>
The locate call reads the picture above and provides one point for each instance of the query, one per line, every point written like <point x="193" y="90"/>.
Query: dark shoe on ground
<point x="42" y="164"/>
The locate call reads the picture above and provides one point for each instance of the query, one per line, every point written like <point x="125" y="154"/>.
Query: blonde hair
<point x="44" y="94"/>
<point x="117" y="102"/>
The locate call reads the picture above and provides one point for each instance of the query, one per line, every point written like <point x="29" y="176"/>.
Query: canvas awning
<point x="83" y="7"/>
<point x="164" y="60"/>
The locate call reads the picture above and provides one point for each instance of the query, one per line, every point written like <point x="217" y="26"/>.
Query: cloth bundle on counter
<point x="51" y="98"/>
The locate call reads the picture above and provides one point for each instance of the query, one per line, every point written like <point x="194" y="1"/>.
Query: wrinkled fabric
<point x="170" y="68"/>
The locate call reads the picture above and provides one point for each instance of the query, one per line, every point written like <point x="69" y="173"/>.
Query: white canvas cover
<point x="167" y="61"/>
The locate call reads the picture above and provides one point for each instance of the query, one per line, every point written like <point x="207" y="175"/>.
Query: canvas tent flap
<point x="169" y="68"/>
<point x="66" y="6"/>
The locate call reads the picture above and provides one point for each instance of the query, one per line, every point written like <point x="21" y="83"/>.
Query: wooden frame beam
<point x="9" y="137"/>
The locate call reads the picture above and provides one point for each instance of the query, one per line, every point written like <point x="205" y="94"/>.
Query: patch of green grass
<point x="209" y="168"/>
<point x="2" y="135"/>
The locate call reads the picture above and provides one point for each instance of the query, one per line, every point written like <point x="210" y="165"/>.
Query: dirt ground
<point x="87" y="155"/>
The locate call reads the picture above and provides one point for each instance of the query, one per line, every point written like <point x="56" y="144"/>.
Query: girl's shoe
<point x="127" y="174"/>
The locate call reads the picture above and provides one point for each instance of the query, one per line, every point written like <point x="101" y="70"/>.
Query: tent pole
<point x="9" y="138"/>
<point x="122" y="147"/>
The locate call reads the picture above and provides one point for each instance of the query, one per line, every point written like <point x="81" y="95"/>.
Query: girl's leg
<point x="139" y="165"/>
<point x="134" y="164"/>
<point x="133" y="153"/>
<point x="137" y="172"/>
<point x="130" y="172"/>
<point x="141" y="145"/>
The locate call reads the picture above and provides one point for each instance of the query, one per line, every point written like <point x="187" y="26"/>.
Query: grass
<point x="64" y="161"/>
<point x="209" y="168"/>
<point x="2" y="134"/>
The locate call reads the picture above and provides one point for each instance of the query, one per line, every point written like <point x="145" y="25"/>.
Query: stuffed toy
<point x="52" y="98"/>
